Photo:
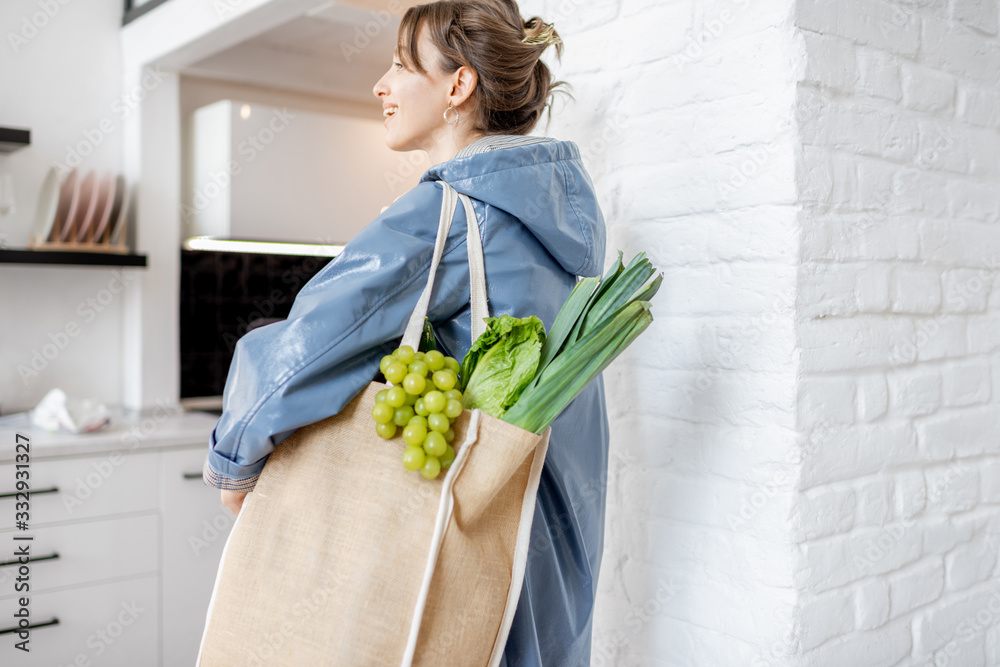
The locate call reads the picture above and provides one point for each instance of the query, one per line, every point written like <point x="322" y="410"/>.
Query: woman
<point x="466" y="86"/>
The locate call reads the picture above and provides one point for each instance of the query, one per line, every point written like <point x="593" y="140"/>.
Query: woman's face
<point x="413" y="103"/>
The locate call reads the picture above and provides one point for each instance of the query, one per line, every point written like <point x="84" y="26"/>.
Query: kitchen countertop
<point x="128" y="430"/>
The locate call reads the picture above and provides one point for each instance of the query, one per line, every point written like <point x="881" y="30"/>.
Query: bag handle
<point x="477" y="269"/>
<point x="446" y="507"/>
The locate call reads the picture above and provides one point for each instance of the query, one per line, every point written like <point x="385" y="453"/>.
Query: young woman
<point x="467" y="87"/>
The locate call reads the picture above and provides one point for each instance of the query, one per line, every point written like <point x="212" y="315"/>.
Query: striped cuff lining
<point x="212" y="478"/>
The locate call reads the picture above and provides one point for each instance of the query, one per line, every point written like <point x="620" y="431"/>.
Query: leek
<point x="600" y="318"/>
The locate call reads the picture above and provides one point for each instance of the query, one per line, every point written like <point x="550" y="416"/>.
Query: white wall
<point x="287" y="174"/>
<point x="63" y="83"/>
<point x="899" y="513"/>
<point x="690" y="142"/>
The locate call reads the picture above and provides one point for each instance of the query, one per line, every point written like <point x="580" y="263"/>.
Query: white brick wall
<point x="806" y="445"/>
<point x="898" y="102"/>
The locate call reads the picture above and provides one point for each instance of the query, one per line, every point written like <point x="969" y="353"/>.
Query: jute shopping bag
<point x="340" y="556"/>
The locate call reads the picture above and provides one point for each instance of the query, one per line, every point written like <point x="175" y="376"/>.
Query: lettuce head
<point x="501" y="363"/>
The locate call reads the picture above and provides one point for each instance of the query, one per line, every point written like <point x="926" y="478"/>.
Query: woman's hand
<point x="233" y="500"/>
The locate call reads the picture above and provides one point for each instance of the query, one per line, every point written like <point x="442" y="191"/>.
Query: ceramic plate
<point x="69" y="195"/>
<point x="99" y="205"/>
<point x="111" y="198"/>
<point x="119" y="221"/>
<point x="85" y="210"/>
<point x="48" y="204"/>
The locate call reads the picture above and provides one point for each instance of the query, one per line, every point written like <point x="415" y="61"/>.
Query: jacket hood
<point x="541" y="182"/>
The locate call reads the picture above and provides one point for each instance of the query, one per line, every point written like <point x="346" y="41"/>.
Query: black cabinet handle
<point x="12" y="494"/>
<point x="193" y="475"/>
<point x="52" y="556"/>
<point x="54" y="621"/>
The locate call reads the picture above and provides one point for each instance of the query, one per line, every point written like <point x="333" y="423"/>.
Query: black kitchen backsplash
<point x="224" y="295"/>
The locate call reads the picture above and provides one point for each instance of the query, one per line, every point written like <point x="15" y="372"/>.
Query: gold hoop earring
<point x="457" y="115"/>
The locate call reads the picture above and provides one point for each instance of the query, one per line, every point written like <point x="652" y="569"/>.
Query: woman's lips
<point x="394" y="111"/>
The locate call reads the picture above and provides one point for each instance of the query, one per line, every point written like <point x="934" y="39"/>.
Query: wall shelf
<point x="69" y="257"/>
<point x="12" y="138"/>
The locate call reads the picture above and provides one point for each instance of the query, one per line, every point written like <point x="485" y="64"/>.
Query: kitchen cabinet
<point x="195" y="527"/>
<point x="111" y="624"/>
<point x="126" y="542"/>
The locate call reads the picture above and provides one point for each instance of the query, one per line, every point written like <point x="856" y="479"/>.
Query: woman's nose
<point x="379" y="89"/>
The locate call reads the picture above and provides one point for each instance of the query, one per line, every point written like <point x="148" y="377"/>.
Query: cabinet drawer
<point x="87" y="487"/>
<point x="87" y="551"/>
<point x="111" y="625"/>
<point x="195" y="527"/>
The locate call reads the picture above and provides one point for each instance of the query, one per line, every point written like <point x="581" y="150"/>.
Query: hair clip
<point x="544" y="37"/>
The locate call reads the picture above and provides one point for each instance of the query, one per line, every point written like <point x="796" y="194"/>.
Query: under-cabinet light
<point x="263" y="247"/>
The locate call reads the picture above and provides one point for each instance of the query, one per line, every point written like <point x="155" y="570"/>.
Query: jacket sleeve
<point x="307" y="367"/>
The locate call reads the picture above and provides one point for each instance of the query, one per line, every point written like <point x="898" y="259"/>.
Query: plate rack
<point x="102" y="244"/>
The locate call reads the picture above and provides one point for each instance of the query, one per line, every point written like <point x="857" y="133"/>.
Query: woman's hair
<point x="490" y="37"/>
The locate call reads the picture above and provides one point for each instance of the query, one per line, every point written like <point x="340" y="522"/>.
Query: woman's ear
<point x="463" y="81"/>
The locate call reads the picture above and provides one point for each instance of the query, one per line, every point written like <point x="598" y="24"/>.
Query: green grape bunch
<point x="423" y="401"/>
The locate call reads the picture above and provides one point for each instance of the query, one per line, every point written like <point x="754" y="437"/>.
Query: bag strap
<point x="446" y="507"/>
<point x="411" y="337"/>
<point x="477" y="269"/>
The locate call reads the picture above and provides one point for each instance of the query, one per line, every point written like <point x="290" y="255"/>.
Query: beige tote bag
<point x="340" y="556"/>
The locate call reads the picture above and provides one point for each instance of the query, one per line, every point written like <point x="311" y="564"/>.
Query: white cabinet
<point x="126" y="545"/>
<point x="195" y="527"/>
<point x="112" y="624"/>
<point x="84" y="552"/>
<point x="68" y="489"/>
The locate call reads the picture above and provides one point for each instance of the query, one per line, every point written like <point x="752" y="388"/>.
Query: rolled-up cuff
<point x="220" y="481"/>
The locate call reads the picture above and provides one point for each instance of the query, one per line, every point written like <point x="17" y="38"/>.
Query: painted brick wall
<point x="898" y="304"/>
<point x="804" y="465"/>
<point x="685" y="115"/>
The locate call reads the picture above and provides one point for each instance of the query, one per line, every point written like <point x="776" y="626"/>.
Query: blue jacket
<point x="541" y="227"/>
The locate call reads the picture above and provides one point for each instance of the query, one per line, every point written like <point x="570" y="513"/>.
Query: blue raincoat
<point x="541" y="227"/>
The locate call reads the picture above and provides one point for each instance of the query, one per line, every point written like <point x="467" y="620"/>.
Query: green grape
<point x="434" y="401"/>
<point x="435" y="444"/>
<point x="452" y="364"/>
<point x="435" y="360"/>
<point x="449" y="435"/>
<point x="386" y="430"/>
<point x="419" y="355"/>
<point x="411" y="399"/>
<point x="445" y="380"/>
<point x="453" y="394"/>
<point x="404" y="353"/>
<point x="419" y="367"/>
<point x="417" y="419"/>
<point x="414" y="434"/>
<point x="395" y="372"/>
<point x="448" y="457"/>
<point x="384" y="363"/>
<point x="413" y="458"/>
<point x="380" y="396"/>
<point x="403" y="416"/>
<point x="438" y="422"/>
<point x="413" y="383"/>
<point x="382" y="413"/>
<point x="431" y="468"/>
<point x="396" y="396"/>
<point x="420" y="408"/>
<point x="453" y="409"/>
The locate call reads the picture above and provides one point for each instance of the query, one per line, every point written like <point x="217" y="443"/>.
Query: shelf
<point x="69" y="257"/>
<point x="12" y="138"/>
